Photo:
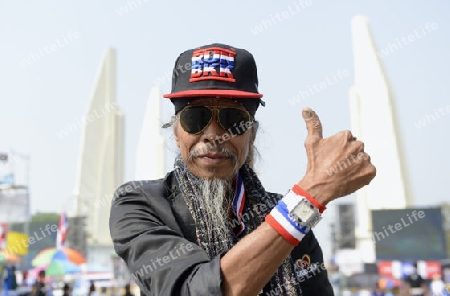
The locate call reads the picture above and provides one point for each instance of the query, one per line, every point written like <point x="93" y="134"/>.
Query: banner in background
<point x="399" y="269"/>
<point x="17" y="243"/>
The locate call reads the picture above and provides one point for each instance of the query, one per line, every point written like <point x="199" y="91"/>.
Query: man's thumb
<point x="313" y="125"/>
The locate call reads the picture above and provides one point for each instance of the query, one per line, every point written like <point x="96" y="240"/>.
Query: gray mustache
<point x="223" y="151"/>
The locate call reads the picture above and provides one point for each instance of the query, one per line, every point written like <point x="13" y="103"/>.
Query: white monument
<point x="100" y="162"/>
<point x="373" y="120"/>
<point x="150" y="154"/>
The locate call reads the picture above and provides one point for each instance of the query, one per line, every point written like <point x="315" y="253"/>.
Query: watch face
<point x="306" y="214"/>
<point x="303" y="211"/>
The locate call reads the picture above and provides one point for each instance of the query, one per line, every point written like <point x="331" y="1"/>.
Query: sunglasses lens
<point x="195" y="119"/>
<point x="235" y="119"/>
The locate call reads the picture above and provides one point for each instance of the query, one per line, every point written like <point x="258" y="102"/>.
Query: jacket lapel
<point x="180" y="209"/>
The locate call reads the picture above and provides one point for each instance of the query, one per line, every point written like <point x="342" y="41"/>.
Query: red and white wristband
<point x="280" y="219"/>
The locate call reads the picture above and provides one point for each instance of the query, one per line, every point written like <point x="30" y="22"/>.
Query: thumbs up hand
<point x="337" y="165"/>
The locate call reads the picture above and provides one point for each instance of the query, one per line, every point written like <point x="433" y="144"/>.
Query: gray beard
<point x="216" y="197"/>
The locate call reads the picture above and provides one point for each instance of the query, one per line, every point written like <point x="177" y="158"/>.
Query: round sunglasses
<point x="194" y="119"/>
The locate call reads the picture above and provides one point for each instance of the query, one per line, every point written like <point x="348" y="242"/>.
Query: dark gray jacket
<point x="154" y="233"/>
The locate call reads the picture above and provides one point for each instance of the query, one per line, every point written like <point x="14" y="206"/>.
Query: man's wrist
<point x="315" y="191"/>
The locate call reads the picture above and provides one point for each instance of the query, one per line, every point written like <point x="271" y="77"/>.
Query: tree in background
<point x="45" y="217"/>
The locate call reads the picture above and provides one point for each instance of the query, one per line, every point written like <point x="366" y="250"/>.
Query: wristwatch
<point x="306" y="214"/>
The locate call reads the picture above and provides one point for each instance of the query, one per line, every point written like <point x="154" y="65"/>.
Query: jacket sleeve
<point x="159" y="259"/>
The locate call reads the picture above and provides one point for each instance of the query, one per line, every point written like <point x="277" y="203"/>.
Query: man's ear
<point x="175" y="133"/>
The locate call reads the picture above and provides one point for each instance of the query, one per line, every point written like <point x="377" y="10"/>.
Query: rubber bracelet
<point x="299" y="191"/>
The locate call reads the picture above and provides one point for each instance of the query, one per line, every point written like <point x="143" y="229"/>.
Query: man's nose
<point x="213" y="131"/>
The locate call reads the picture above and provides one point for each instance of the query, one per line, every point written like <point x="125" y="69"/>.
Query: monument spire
<point x="373" y="120"/>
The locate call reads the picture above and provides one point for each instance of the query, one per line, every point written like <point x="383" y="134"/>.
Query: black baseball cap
<point x="215" y="70"/>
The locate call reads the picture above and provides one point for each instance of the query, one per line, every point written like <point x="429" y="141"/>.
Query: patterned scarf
<point x="258" y="204"/>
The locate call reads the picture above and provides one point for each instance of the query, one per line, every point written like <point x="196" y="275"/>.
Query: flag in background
<point x="3" y="233"/>
<point x="63" y="229"/>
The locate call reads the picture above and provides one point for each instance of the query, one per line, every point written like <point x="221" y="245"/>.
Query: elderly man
<point x="209" y="227"/>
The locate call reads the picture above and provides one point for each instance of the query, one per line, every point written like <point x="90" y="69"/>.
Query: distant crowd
<point x="43" y="286"/>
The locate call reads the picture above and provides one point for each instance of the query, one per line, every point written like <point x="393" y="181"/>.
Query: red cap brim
<point x="214" y="93"/>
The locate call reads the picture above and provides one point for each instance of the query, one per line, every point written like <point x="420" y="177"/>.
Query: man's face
<point x="214" y="153"/>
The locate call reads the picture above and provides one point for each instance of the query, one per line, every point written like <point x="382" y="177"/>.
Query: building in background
<point x="100" y="162"/>
<point x="346" y="226"/>
<point x="14" y="187"/>
<point x="373" y="119"/>
<point x="77" y="236"/>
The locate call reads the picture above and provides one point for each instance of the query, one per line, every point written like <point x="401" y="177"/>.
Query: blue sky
<point x="295" y="45"/>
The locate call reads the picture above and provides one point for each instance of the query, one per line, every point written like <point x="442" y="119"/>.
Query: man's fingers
<point x="313" y="125"/>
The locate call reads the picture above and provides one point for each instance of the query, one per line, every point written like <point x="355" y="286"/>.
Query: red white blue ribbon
<point x="238" y="204"/>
